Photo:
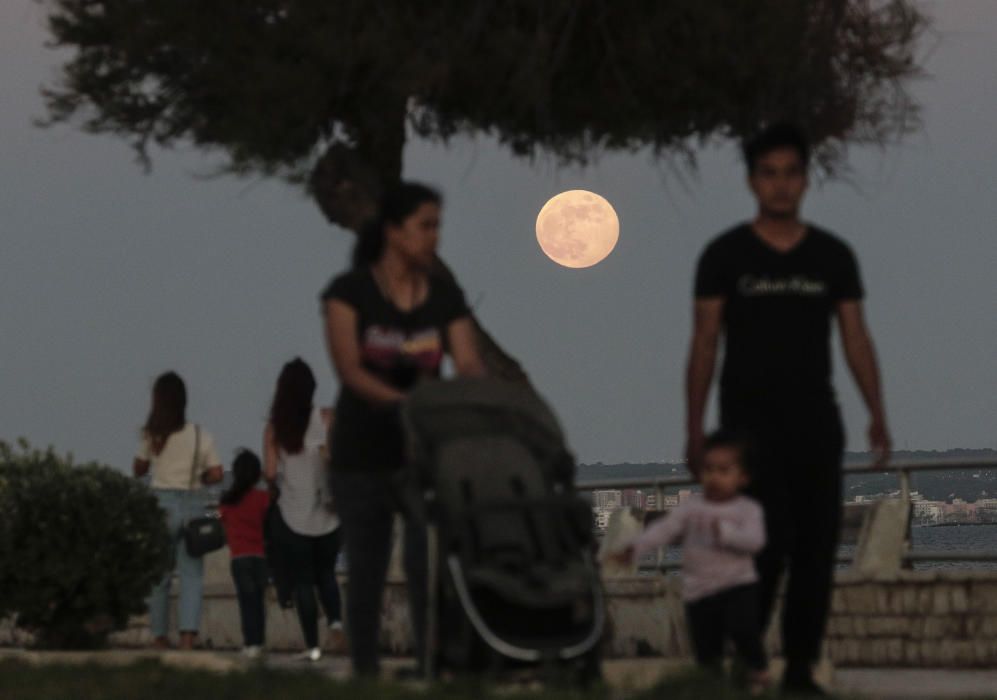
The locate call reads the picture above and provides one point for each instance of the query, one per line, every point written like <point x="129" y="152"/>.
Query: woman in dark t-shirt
<point x="388" y="322"/>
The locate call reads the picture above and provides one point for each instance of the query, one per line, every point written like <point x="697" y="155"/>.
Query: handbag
<point x="204" y="534"/>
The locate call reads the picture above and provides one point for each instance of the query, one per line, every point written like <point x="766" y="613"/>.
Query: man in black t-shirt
<point x="772" y="288"/>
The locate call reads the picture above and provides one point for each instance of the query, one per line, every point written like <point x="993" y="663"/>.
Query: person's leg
<point x="416" y="576"/>
<point x="296" y="553"/>
<point x="191" y="573"/>
<point x="770" y="488"/>
<point x="326" y="551"/>
<point x="259" y="576"/>
<point x="277" y="567"/>
<point x="816" y="494"/>
<point x="366" y="518"/>
<point x="159" y="598"/>
<point x="741" y="624"/>
<point x="247" y="593"/>
<point x="704" y="621"/>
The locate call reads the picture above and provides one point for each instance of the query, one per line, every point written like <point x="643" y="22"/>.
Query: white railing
<point x="903" y="469"/>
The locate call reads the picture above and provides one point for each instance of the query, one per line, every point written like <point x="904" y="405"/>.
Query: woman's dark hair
<point x="774" y="137"/>
<point x="396" y="204"/>
<point x="733" y="440"/>
<point x="246" y="470"/>
<point x="168" y="412"/>
<point x="291" y="409"/>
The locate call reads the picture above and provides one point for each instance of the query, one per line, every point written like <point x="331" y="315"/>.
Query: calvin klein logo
<point x="797" y="285"/>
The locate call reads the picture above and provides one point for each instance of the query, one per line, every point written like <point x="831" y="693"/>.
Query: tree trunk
<point x="347" y="182"/>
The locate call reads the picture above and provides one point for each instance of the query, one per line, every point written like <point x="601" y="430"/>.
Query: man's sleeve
<point x="847" y="283"/>
<point x="710" y="277"/>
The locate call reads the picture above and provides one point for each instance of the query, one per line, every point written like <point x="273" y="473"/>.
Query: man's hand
<point x="694" y="452"/>
<point x="879" y="441"/>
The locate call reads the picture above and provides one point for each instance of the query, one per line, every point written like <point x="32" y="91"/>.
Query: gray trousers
<point x="367" y="502"/>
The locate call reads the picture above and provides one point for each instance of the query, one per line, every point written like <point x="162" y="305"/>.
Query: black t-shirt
<point x="399" y="347"/>
<point x="777" y="317"/>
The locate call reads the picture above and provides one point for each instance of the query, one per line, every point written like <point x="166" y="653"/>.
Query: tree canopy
<point x="324" y="91"/>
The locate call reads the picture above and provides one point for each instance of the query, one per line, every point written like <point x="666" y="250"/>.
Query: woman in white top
<point x="306" y="528"/>
<point x="182" y="460"/>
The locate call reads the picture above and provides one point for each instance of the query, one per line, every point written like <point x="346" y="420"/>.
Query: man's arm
<point x="861" y="357"/>
<point x="707" y="322"/>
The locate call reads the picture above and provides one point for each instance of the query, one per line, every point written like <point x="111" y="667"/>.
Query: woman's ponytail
<point x="370" y="243"/>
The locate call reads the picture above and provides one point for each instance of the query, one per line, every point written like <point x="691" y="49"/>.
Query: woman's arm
<point x="328" y="415"/>
<point x="464" y="348"/>
<point x="212" y="475"/>
<point x="344" y="350"/>
<point x="140" y="467"/>
<point x="269" y="454"/>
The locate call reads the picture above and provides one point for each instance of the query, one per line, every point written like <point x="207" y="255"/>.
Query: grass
<point x="150" y="680"/>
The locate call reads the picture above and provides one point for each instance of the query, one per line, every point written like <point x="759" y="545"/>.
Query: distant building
<point x="602" y="517"/>
<point x="607" y="499"/>
<point x="927" y="512"/>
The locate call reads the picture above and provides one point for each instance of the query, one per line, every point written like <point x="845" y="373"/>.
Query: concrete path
<point x="621" y="674"/>
<point x="905" y="683"/>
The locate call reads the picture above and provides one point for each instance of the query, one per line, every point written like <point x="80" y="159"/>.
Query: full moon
<point x="577" y="228"/>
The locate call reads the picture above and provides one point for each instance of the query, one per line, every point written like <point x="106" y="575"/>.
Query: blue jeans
<point x="180" y="506"/>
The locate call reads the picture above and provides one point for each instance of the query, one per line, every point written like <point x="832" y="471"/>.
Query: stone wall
<point x="912" y="618"/>
<point x="915" y="618"/>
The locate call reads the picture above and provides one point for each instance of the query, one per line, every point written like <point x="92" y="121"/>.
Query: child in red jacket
<point x="243" y="509"/>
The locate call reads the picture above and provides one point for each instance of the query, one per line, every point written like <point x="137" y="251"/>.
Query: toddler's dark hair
<point x="733" y="440"/>
<point x="246" y="470"/>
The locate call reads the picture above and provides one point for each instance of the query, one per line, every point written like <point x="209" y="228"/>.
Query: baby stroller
<point x="512" y="578"/>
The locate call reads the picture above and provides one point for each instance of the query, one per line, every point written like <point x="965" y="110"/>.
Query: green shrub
<point x="80" y="547"/>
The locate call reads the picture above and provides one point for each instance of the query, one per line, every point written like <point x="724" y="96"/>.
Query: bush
<point x="80" y="547"/>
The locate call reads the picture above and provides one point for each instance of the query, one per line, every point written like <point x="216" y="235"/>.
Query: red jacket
<point x="243" y="523"/>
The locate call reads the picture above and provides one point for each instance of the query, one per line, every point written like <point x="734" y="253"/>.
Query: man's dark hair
<point x="733" y="440"/>
<point x="774" y="137"/>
